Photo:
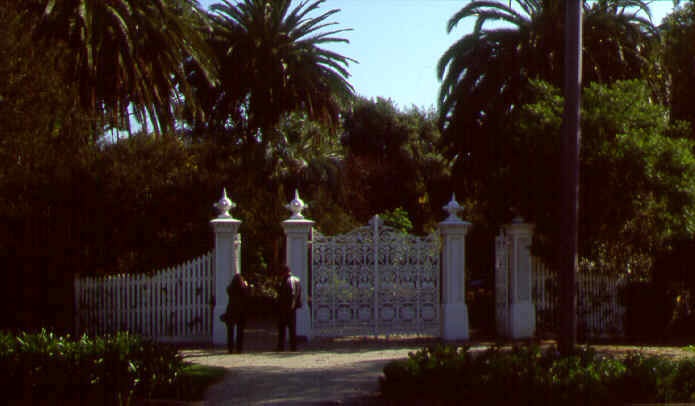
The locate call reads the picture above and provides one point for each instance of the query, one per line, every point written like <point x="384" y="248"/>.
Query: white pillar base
<point x="219" y="329"/>
<point x="455" y="321"/>
<point x="523" y="320"/>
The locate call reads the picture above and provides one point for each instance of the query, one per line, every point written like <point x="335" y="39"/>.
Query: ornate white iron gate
<point x="375" y="280"/>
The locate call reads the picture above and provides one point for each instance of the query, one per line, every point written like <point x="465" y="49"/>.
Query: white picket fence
<point x="599" y="308"/>
<point x="172" y="305"/>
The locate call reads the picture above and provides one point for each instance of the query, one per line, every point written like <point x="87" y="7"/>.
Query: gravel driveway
<point x="321" y="372"/>
<point x="328" y="372"/>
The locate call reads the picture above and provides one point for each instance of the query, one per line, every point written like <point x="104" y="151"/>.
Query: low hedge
<point x="531" y="376"/>
<point x="116" y="369"/>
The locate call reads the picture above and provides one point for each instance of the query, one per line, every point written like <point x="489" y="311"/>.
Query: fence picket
<point x="142" y="305"/>
<point x="171" y="304"/>
<point x="157" y="308"/>
<point x="599" y="310"/>
<point x="106" y="299"/>
<point x="187" y="298"/>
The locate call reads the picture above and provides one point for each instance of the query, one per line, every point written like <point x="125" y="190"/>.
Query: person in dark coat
<point x="235" y="316"/>
<point x="289" y="300"/>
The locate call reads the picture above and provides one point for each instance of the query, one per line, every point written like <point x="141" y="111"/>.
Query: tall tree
<point x="485" y="74"/>
<point x="127" y="55"/>
<point x="40" y="125"/>
<point x="392" y="161"/>
<point x="272" y="62"/>
<point x="637" y="191"/>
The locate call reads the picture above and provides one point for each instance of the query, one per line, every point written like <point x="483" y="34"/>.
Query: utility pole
<point x="570" y="175"/>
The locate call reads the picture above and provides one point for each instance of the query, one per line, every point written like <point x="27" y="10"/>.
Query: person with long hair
<point x="235" y="316"/>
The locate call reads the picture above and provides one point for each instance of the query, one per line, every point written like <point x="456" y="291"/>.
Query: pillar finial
<point x="224" y="205"/>
<point x="453" y="207"/>
<point x="296" y="206"/>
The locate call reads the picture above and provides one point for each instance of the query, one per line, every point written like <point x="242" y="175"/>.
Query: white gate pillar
<point x="522" y="317"/>
<point x="454" y="311"/>
<point x="297" y="230"/>
<point x="227" y="263"/>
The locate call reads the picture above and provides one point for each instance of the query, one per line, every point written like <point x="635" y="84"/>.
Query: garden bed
<point x="608" y="374"/>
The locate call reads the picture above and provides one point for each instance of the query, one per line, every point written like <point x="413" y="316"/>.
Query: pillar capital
<point x="459" y="227"/>
<point x="297" y="226"/>
<point x="225" y="225"/>
<point x="519" y="228"/>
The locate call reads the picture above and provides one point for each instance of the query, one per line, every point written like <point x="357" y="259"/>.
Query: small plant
<point x="398" y="219"/>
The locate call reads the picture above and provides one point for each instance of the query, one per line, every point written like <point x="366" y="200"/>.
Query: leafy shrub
<point x="398" y="219"/>
<point x="530" y="376"/>
<point x="45" y="368"/>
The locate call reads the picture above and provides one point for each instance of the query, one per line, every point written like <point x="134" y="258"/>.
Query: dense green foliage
<point x="678" y="33"/>
<point x="488" y="80"/>
<point x="49" y="369"/>
<point x="120" y="57"/>
<point x="636" y="189"/>
<point x="272" y="62"/>
<point x="392" y="160"/>
<point x="531" y="376"/>
<point x="486" y="74"/>
<point x="249" y="96"/>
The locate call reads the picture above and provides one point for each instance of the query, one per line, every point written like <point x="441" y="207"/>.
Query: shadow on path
<point x="269" y="385"/>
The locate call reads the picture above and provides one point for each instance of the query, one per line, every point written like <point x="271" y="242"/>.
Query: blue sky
<point x="398" y="44"/>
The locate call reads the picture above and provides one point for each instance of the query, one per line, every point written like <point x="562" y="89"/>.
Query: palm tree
<point x="485" y="74"/>
<point x="128" y="55"/>
<point x="618" y="38"/>
<point x="271" y="63"/>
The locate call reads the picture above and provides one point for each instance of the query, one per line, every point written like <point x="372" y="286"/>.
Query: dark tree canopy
<point x="272" y="62"/>
<point x="485" y="74"/>
<point x="678" y="32"/>
<point x="127" y="55"/>
<point x="637" y="192"/>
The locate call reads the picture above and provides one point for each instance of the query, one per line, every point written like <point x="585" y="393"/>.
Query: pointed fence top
<point x="296" y="206"/>
<point x="453" y="207"/>
<point x="224" y="205"/>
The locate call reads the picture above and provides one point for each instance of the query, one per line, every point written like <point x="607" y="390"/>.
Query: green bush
<point x="45" y="368"/>
<point x="530" y="376"/>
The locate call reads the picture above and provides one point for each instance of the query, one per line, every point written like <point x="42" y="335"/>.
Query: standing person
<point x="235" y="316"/>
<point x="289" y="300"/>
